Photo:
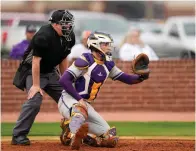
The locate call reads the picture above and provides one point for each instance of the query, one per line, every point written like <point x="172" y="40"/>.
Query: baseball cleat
<point x="65" y="136"/>
<point x="111" y="142"/>
<point x="20" y="140"/>
<point x="91" y="141"/>
<point x="76" y="140"/>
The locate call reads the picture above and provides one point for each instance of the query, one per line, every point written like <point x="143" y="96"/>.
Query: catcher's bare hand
<point x="33" y="90"/>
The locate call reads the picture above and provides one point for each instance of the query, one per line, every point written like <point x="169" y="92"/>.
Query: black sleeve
<point x="40" y="45"/>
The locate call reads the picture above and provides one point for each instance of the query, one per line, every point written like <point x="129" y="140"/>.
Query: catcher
<point x="82" y="82"/>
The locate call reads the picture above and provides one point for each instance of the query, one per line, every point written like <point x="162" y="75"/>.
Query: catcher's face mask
<point x="107" y="48"/>
<point x="102" y="43"/>
<point x="67" y="23"/>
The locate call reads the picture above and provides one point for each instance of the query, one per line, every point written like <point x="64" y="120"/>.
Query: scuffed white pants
<point x="97" y="125"/>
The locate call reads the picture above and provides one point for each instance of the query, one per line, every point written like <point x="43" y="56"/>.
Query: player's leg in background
<point x="101" y="133"/>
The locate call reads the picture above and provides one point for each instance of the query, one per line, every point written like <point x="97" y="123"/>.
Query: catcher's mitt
<point x="140" y="66"/>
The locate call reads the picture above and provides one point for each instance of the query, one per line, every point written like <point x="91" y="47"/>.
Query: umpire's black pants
<point x="49" y="83"/>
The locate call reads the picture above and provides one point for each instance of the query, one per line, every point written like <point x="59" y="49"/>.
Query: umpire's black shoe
<point x="20" y="140"/>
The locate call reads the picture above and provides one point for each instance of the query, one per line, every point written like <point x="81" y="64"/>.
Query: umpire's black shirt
<point x="48" y="45"/>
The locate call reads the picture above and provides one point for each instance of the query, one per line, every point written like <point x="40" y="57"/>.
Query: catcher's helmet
<point x="94" y="41"/>
<point x="65" y="19"/>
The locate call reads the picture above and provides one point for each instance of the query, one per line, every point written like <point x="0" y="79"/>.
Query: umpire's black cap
<point x="57" y="15"/>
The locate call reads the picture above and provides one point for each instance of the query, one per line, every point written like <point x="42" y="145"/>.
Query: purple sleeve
<point x="66" y="82"/>
<point x="14" y="52"/>
<point x="18" y="50"/>
<point x="129" y="79"/>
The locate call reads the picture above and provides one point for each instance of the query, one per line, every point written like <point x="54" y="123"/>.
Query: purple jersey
<point x="19" y="49"/>
<point x="90" y="74"/>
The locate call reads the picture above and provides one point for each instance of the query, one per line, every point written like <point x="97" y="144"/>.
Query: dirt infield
<point x="123" y="145"/>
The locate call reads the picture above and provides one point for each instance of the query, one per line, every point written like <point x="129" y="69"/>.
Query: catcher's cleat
<point x="76" y="140"/>
<point x="107" y="140"/>
<point x="110" y="142"/>
<point x="65" y="136"/>
<point x="91" y="141"/>
<point x="101" y="142"/>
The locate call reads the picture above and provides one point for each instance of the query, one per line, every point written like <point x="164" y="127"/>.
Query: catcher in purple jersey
<point x="82" y="82"/>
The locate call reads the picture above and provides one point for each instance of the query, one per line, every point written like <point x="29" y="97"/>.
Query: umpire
<point x="49" y="47"/>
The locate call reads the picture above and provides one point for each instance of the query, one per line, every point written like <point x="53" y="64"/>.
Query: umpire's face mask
<point x="67" y="24"/>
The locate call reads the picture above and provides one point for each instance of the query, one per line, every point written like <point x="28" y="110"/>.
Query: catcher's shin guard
<point x="65" y="136"/>
<point x="76" y="139"/>
<point x="79" y="114"/>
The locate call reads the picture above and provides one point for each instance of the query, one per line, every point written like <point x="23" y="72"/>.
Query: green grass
<point x="123" y="129"/>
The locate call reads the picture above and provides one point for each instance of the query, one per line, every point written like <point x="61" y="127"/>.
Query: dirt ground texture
<point x="123" y="145"/>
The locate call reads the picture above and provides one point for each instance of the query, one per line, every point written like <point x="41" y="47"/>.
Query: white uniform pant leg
<point x="97" y="125"/>
<point x="65" y="103"/>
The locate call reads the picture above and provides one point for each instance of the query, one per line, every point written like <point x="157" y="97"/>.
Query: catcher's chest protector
<point x="89" y="84"/>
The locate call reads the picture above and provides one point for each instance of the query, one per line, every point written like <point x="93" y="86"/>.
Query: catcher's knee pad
<point x="79" y="108"/>
<point x="79" y="114"/>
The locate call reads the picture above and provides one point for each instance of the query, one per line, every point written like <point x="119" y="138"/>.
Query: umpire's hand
<point x="33" y="90"/>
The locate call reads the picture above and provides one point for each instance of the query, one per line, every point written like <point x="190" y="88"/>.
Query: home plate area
<point x="123" y="145"/>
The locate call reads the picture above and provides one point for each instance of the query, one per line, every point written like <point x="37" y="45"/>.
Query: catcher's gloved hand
<point x="140" y="66"/>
